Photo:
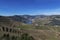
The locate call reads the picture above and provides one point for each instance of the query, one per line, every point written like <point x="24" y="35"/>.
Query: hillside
<point x="48" y="20"/>
<point x="38" y="27"/>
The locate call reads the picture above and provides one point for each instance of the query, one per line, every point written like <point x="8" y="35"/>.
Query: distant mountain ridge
<point x="27" y="19"/>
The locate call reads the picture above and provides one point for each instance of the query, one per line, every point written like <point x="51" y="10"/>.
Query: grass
<point x="26" y="27"/>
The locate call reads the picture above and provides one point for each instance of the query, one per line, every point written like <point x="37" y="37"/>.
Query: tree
<point x="14" y="38"/>
<point x="25" y="36"/>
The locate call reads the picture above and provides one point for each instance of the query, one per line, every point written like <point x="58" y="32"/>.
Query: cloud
<point x="51" y="13"/>
<point x="47" y="12"/>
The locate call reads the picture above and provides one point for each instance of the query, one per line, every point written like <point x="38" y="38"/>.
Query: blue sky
<point x="29" y="7"/>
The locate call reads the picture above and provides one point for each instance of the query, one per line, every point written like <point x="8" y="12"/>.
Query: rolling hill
<point x="48" y="27"/>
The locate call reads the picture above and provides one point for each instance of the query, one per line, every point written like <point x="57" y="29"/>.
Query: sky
<point x="29" y="7"/>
